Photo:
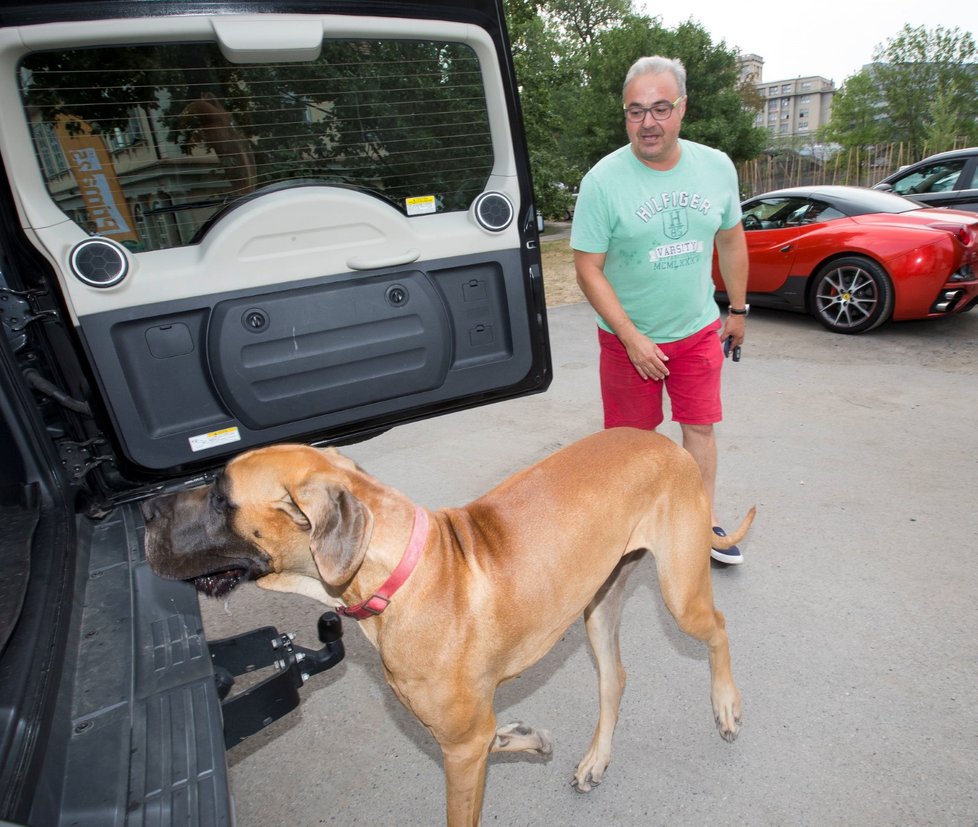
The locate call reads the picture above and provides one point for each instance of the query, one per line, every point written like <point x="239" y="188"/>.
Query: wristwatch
<point x="734" y="312"/>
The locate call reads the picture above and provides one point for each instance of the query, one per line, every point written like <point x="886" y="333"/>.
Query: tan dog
<point x="207" y="122"/>
<point x="496" y="583"/>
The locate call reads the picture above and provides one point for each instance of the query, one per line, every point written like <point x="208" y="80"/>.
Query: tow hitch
<point x="253" y="709"/>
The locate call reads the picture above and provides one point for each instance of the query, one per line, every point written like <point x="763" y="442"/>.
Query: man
<point x="645" y="224"/>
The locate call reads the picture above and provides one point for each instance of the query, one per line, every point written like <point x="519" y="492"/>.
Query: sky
<point x="831" y="38"/>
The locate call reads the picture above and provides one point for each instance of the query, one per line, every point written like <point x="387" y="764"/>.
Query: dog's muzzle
<point x="186" y="540"/>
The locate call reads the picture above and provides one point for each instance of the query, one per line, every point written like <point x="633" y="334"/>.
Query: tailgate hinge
<point x="79" y="458"/>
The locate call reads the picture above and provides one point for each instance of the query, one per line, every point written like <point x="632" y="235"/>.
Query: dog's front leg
<point x="464" y="724"/>
<point x="465" y="775"/>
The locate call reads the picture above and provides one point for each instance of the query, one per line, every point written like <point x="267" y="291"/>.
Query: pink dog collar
<point x="378" y="602"/>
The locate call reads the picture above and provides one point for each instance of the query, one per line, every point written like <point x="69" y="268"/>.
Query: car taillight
<point x="964" y="233"/>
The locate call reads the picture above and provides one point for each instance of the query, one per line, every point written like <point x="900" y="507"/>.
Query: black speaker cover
<point x="99" y="262"/>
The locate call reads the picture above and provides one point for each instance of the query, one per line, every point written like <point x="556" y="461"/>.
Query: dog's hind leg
<point x="688" y="594"/>
<point x="602" y="619"/>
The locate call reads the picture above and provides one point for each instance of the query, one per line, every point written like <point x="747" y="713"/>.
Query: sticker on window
<point x="214" y="439"/>
<point x="420" y="205"/>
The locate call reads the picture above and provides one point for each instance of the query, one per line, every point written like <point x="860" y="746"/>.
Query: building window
<point x="49" y="151"/>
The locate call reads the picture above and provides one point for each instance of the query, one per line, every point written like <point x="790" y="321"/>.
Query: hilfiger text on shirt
<point x="670" y="201"/>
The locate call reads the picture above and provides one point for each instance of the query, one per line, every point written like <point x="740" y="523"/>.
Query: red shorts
<point x="693" y="382"/>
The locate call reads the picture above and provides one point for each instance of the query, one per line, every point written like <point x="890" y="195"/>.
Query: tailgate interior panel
<point x="309" y="356"/>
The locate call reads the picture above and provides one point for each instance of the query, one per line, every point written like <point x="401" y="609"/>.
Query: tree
<point x="921" y="90"/>
<point x="545" y="71"/>
<point x="717" y="113"/>
<point x="583" y="20"/>
<point x="925" y="73"/>
<point x="721" y="112"/>
<point x="856" y="113"/>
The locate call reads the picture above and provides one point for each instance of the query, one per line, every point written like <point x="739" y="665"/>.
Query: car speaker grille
<point x="99" y="262"/>
<point x="494" y="211"/>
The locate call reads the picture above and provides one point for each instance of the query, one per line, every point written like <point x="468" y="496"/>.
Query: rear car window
<point x="938" y="177"/>
<point x="147" y="144"/>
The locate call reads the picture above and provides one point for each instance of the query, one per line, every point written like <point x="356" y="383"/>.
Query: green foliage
<point x="571" y="60"/>
<point x="855" y="113"/>
<point x="581" y="21"/>
<point x="716" y="114"/>
<point x="921" y="91"/>
<point x="924" y="75"/>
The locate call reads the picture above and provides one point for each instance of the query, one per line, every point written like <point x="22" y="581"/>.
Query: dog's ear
<point x="339" y="529"/>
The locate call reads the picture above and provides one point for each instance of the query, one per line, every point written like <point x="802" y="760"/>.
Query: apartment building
<point x="791" y="108"/>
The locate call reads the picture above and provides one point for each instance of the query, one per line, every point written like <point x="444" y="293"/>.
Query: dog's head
<point x="199" y="118"/>
<point x="286" y="508"/>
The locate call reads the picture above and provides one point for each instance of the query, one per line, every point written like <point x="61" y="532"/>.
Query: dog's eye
<point x="218" y="500"/>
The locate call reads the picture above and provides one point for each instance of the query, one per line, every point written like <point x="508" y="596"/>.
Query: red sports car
<point x="855" y="257"/>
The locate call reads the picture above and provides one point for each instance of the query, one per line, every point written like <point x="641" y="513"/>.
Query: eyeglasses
<point x="660" y="111"/>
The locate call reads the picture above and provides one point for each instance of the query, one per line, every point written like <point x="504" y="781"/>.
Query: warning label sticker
<point x="420" y="204"/>
<point x="214" y="439"/>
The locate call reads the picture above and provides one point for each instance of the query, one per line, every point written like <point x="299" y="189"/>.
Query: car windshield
<point x="147" y="144"/>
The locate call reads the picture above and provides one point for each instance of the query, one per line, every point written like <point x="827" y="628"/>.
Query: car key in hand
<point x="726" y="349"/>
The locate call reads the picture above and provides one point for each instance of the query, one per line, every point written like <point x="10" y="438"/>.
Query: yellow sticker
<point x="420" y="204"/>
<point x="214" y="439"/>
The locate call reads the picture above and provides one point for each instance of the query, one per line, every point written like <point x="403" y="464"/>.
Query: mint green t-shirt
<point x="656" y="230"/>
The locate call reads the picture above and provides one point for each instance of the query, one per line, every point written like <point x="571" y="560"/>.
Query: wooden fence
<point x="854" y="167"/>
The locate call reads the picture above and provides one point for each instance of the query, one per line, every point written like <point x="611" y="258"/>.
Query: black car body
<point x="222" y="225"/>
<point x="948" y="179"/>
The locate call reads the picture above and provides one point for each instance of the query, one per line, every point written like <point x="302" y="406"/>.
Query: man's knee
<point x="700" y="432"/>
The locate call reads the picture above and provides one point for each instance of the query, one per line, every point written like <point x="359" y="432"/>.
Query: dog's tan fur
<point x="498" y="582"/>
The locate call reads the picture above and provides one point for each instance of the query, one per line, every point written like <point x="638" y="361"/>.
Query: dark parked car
<point x="948" y="179"/>
<point x="222" y="225"/>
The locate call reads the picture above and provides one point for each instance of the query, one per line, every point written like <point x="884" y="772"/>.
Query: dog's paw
<point x="546" y="742"/>
<point x="589" y="773"/>
<point x="727" y="713"/>
<point x="518" y="737"/>
<point x="583" y="785"/>
<point x="728" y="727"/>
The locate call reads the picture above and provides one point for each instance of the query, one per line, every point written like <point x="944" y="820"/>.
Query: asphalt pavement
<point x="853" y="626"/>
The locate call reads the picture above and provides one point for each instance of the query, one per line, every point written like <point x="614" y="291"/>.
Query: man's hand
<point x="733" y="327"/>
<point x="648" y="359"/>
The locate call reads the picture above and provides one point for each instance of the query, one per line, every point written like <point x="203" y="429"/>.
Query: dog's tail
<point x="723" y="543"/>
